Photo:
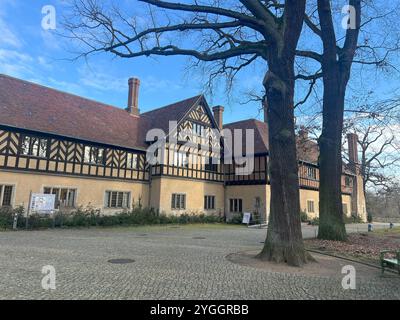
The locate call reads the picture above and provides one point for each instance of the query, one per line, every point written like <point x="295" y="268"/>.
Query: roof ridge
<point x="60" y="91"/>
<point x="244" y="120"/>
<point x="168" y="105"/>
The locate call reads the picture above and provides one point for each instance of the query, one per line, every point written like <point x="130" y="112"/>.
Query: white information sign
<point x="246" y="217"/>
<point x="42" y="203"/>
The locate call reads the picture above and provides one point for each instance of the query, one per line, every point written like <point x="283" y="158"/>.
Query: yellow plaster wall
<point x="89" y="191"/>
<point x="248" y="194"/>
<point x="195" y="190"/>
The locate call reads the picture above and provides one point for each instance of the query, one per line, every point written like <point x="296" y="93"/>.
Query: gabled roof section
<point x="34" y="107"/>
<point x="260" y="133"/>
<point x="160" y="118"/>
<point x="307" y="149"/>
<point x="178" y="112"/>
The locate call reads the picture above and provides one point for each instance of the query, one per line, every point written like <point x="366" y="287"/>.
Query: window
<point x="257" y="202"/>
<point x="345" y="208"/>
<point x="347" y="181"/>
<point x="235" y="205"/>
<point x="212" y="165"/>
<point x="117" y="199"/>
<point x="6" y="193"/>
<point x="93" y="155"/>
<point x="65" y="197"/>
<point x="311" y="173"/>
<point x="178" y="201"/>
<point x="310" y="206"/>
<point x="209" y="202"/>
<point x="198" y="129"/>
<point x="131" y="161"/>
<point x="181" y="159"/>
<point x="33" y="146"/>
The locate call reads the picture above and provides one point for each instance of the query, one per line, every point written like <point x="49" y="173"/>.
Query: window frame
<point x="198" y="129"/>
<point x="209" y="202"/>
<point x="33" y="146"/>
<point x="132" y="160"/>
<point x="312" y="202"/>
<point x="311" y="173"/>
<point x="125" y="194"/>
<point x="58" y="194"/>
<point x="181" y="159"/>
<point x="236" y="205"/>
<point x="94" y="156"/>
<point x="176" y="201"/>
<point x="348" y="181"/>
<point x="3" y="186"/>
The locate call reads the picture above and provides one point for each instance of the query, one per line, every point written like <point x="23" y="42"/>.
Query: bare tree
<point x="339" y="53"/>
<point x="379" y="154"/>
<point x="376" y="125"/>
<point x="229" y="35"/>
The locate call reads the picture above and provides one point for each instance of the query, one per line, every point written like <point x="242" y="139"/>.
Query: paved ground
<point x="170" y="263"/>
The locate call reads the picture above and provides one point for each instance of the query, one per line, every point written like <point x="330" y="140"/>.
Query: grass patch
<point x="394" y="231"/>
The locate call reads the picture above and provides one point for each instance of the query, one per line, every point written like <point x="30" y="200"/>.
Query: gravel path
<point x="169" y="263"/>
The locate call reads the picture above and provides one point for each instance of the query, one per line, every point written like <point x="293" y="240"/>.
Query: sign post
<point x="42" y="204"/>
<point x="28" y="211"/>
<point x="246" y="218"/>
<point x="15" y="223"/>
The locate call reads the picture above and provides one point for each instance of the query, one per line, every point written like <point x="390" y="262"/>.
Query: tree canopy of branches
<point x="229" y="35"/>
<point x="340" y="51"/>
<point x="379" y="144"/>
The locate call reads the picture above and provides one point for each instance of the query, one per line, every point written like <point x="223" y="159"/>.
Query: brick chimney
<point x="352" y="140"/>
<point x="218" y="116"/>
<point x="133" y="98"/>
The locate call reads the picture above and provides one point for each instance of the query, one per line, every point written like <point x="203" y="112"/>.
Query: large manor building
<point x="90" y="153"/>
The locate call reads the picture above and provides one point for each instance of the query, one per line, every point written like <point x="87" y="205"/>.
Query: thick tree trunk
<point x="284" y="241"/>
<point x="331" y="223"/>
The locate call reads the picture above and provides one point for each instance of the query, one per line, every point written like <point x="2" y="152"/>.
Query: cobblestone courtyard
<point x="187" y="262"/>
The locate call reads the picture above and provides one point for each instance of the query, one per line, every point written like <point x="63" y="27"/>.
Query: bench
<point x="390" y="263"/>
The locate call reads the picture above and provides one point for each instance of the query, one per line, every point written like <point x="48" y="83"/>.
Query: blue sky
<point x="31" y="53"/>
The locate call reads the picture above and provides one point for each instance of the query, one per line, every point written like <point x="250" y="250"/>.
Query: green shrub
<point x="237" y="218"/>
<point x="7" y="215"/>
<point x="88" y="217"/>
<point x="369" y="217"/>
<point x="314" y="221"/>
<point x="304" y="216"/>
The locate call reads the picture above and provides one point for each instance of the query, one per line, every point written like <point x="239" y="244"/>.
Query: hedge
<point x="90" y="217"/>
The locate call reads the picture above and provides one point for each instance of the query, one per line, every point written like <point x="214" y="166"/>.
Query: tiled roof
<point x="34" y="107"/>
<point x="30" y="106"/>
<point x="260" y="133"/>
<point x="307" y="150"/>
<point x="160" y="118"/>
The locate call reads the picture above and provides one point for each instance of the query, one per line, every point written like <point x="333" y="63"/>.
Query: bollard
<point x="15" y="223"/>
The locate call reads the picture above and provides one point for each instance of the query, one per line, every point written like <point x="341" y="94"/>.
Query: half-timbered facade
<point x="91" y="154"/>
